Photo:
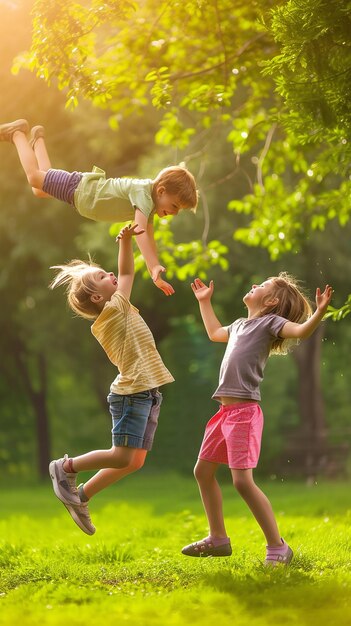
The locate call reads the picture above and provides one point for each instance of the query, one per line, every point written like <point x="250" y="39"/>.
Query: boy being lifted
<point x="106" y="199"/>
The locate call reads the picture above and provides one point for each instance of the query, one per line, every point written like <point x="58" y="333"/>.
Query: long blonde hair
<point x="293" y="304"/>
<point x="77" y="276"/>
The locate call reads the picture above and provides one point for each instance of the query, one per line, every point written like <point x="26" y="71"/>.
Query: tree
<point x="276" y="77"/>
<point x="210" y="68"/>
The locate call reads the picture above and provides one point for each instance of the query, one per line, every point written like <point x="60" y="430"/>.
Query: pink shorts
<point x="233" y="436"/>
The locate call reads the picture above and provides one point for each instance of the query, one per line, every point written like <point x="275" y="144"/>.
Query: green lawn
<point x="131" y="571"/>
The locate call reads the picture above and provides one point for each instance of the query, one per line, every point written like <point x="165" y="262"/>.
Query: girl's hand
<point x="202" y="291"/>
<point x="129" y="231"/>
<point x="323" y="299"/>
<point x="165" y="287"/>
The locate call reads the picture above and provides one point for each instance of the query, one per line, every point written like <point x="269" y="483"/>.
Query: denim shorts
<point x="134" y="418"/>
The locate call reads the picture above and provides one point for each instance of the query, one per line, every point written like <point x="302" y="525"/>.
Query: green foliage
<point x="173" y="132"/>
<point x="243" y="154"/>
<point x="338" y="314"/>
<point x="70" y="28"/>
<point x="314" y="66"/>
<point x="312" y="74"/>
<point x="275" y="77"/>
<point x="183" y="260"/>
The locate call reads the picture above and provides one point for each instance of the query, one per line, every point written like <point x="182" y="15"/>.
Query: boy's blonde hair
<point x="292" y="304"/>
<point x="178" y="181"/>
<point x="77" y="276"/>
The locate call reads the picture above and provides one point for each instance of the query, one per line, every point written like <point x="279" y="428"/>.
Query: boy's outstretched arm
<point x="126" y="259"/>
<point x="203" y="294"/>
<point x="291" y="330"/>
<point x="147" y="247"/>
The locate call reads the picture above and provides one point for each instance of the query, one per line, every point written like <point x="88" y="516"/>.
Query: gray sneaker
<point x="7" y="130"/>
<point x="80" y="515"/>
<point x="64" y="483"/>
<point x="35" y="133"/>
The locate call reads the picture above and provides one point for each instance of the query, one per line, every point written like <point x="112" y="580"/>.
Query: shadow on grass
<point x="290" y="592"/>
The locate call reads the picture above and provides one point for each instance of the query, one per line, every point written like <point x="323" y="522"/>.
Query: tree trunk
<point x="42" y="429"/>
<point x="308" y="448"/>
<point x="311" y="404"/>
<point x="37" y="394"/>
<point x="39" y="401"/>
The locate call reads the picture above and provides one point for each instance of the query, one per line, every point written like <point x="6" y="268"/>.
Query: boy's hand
<point x="159" y="282"/>
<point x="323" y="299"/>
<point x="202" y="291"/>
<point x="156" y="271"/>
<point x="129" y="231"/>
<point x="165" y="287"/>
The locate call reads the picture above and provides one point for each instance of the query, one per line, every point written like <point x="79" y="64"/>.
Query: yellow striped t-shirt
<point x="129" y="344"/>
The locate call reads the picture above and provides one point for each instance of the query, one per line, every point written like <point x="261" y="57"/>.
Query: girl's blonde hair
<point x="178" y="181"/>
<point x="292" y="304"/>
<point x="77" y="276"/>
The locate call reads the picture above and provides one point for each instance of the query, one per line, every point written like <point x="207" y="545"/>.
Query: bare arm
<point x="147" y="247"/>
<point x="126" y="259"/>
<point x="146" y="242"/>
<point x="151" y="234"/>
<point x="203" y="294"/>
<point x="291" y="330"/>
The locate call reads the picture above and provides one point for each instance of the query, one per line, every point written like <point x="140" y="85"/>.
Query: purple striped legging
<point x="61" y="184"/>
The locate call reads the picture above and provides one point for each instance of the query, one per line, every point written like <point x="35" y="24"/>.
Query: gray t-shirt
<point x="246" y="355"/>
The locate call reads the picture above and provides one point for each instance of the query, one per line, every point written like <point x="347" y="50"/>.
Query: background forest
<point x="255" y="100"/>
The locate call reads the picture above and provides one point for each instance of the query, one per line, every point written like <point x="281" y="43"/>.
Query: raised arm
<point x="203" y="294"/>
<point x="126" y="259"/>
<point x="147" y="247"/>
<point x="291" y="330"/>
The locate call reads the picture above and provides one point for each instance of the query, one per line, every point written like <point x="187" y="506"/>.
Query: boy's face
<point x="167" y="204"/>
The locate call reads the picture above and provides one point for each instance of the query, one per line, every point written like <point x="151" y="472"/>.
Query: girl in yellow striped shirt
<point x="134" y="399"/>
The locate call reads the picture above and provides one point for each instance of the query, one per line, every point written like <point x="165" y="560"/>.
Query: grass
<point x="131" y="571"/>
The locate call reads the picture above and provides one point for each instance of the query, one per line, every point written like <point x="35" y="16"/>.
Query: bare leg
<point x="35" y="176"/>
<point x="44" y="163"/>
<point x="41" y="154"/>
<point x="259" y="505"/>
<point x="106" y="477"/>
<point x="211" y="496"/>
<point x="117" y="457"/>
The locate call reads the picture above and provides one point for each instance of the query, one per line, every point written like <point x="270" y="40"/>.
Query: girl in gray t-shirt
<point x="278" y="314"/>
